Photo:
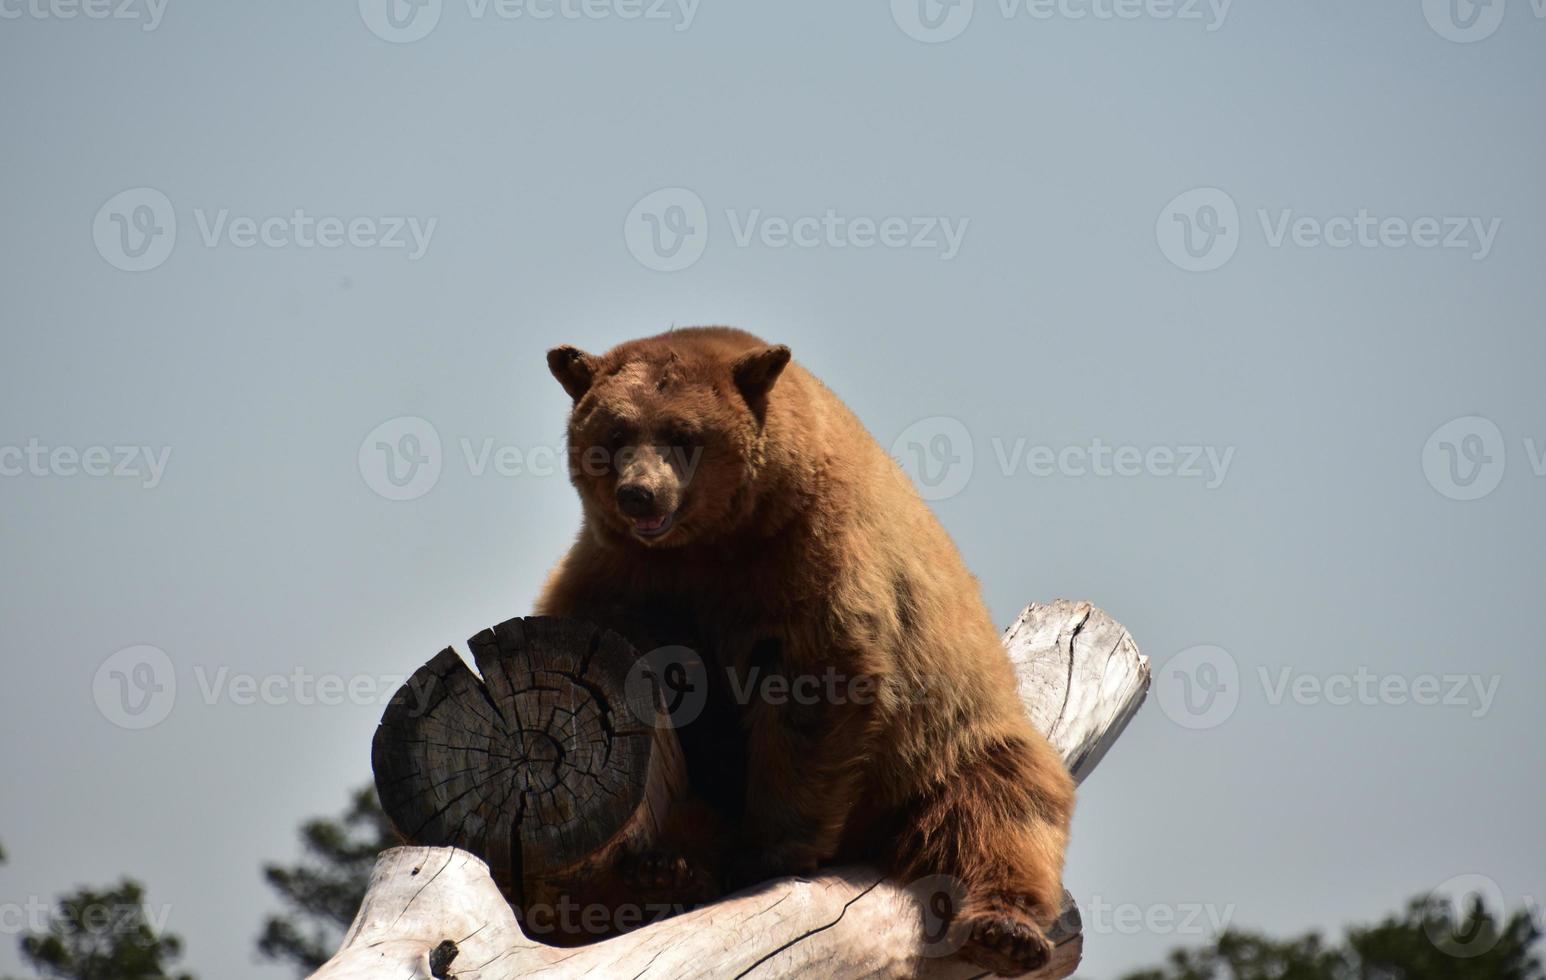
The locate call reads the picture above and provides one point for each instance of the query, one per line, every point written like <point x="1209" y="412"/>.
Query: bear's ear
<point x="573" y="368"/>
<point x="755" y="371"/>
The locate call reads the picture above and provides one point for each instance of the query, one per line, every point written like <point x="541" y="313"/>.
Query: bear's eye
<point x="617" y="438"/>
<point x="680" y="436"/>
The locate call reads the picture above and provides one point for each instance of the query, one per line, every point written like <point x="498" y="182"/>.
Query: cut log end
<point x="551" y="766"/>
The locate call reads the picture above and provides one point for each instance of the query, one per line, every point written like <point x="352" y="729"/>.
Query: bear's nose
<point x="635" y="500"/>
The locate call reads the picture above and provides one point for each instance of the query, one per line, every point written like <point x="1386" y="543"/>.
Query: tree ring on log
<point x="545" y="766"/>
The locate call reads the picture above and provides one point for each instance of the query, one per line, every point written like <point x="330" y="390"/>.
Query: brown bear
<point x="733" y="504"/>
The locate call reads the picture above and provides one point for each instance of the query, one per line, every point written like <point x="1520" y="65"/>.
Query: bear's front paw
<point x="752" y="864"/>
<point x="1005" y="944"/>
<point x="657" y="870"/>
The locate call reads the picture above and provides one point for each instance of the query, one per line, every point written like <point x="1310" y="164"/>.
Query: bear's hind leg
<point x="997" y="829"/>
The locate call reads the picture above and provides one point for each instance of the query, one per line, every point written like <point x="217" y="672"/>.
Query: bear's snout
<point x="635" y="500"/>
<point x="651" y="513"/>
<point x="648" y="491"/>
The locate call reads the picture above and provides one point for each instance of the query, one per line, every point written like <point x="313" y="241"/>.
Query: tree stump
<point x="553" y="768"/>
<point x="435" y="911"/>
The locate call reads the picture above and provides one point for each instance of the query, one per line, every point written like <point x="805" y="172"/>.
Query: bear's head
<point x="666" y="433"/>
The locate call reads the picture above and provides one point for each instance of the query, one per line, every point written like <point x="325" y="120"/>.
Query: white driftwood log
<point x="436" y="912"/>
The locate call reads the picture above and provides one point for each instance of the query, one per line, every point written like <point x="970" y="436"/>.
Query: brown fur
<point x="800" y="548"/>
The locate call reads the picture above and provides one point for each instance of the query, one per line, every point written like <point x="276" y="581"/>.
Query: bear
<point x="733" y="504"/>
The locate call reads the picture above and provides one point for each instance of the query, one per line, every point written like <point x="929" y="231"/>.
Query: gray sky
<point x="1003" y="284"/>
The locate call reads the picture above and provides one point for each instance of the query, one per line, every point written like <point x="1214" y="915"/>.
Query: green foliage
<point x="1428" y="942"/>
<point x="322" y="893"/>
<point x="102" y="935"/>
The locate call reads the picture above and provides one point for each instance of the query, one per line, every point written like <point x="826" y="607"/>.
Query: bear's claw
<point x="1005" y="945"/>
<point x="657" y="870"/>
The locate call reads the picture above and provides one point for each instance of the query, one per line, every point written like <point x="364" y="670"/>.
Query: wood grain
<point x="550" y="767"/>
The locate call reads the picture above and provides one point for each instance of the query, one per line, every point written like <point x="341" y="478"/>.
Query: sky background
<point x="1339" y="543"/>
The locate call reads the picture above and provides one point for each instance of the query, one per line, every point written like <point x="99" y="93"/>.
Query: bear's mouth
<point x="653" y="527"/>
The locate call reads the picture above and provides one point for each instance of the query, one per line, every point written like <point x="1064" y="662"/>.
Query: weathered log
<point x="435" y="911"/>
<point x="1081" y="677"/>
<point x="553" y="767"/>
